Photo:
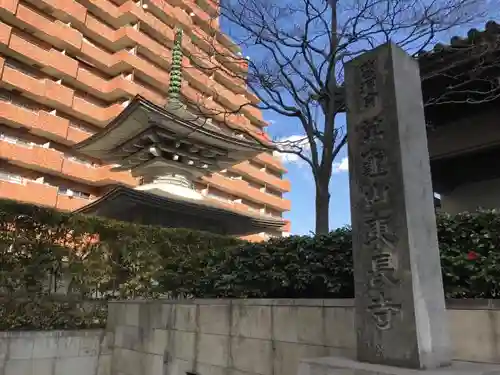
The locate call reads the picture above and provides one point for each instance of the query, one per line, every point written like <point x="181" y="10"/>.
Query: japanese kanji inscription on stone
<point x="400" y="311"/>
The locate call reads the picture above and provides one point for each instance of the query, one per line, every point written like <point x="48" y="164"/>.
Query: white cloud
<point x="290" y="144"/>
<point x="300" y="143"/>
<point x="343" y="166"/>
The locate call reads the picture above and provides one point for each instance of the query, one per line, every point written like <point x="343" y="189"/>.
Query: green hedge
<point x="131" y="261"/>
<point x="292" y="267"/>
<point x="469" y="245"/>
<point x="43" y="251"/>
<point x="321" y="266"/>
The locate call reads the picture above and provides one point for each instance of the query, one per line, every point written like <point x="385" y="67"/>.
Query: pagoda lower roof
<point x="172" y="211"/>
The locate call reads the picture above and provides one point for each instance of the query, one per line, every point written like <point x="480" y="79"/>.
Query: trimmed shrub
<point x="58" y="269"/>
<point x="469" y="245"/>
<point x="292" y="267"/>
<point x="321" y="266"/>
<point x="46" y="312"/>
<point x="45" y="253"/>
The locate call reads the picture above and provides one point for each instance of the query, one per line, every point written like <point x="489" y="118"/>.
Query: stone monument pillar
<point x="399" y="305"/>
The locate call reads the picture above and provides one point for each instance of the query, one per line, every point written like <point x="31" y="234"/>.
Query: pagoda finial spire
<point x="174" y="88"/>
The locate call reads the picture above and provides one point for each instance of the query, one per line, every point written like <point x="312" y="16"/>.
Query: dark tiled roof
<point x="459" y="48"/>
<point x="490" y="35"/>
<point x="126" y="204"/>
<point x="460" y="78"/>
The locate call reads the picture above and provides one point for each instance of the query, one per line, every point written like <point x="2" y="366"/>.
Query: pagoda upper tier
<point x="152" y="141"/>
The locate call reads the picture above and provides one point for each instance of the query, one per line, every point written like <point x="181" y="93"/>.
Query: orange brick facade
<point x="68" y="67"/>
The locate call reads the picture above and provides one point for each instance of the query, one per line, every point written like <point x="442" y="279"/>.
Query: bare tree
<point x="298" y="50"/>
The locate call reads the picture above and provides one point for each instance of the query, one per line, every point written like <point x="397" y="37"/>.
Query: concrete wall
<point x="223" y="337"/>
<point x="264" y="337"/>
<point x="470" y="197"/>
<point x="55" y="353"/>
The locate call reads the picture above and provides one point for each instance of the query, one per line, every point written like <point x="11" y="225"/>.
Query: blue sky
<point x="299" y="174"/>
<point x="302" y="214"/>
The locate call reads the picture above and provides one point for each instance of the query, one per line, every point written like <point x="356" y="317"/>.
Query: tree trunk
<point x="322" y="208"/>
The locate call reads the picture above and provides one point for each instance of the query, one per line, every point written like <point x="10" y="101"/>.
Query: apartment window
<point x="98" y="18"/>
<point x="14" y="140"/>
<point x="256" y="165"/>
<point x="221" y="195"/>
<point x="201" y="63"/>
<point x="33" y="40"/>
<point x="78" y="124"/>
<point x="148" y="59"/>
<point x="274" y="213"/>
<point x="146" y="85"/>
<point x="9" y="177"/>
<point x="26" y="105"/>
<point x="39" y="11"/>
<point x="18" y="100"/>
<point x="91" y="68"/>
<point x="91" y="99"/>
<point x="73" y="193"/>
<point x="5" y="96"/>
<point x="81" y="127"/>
<point x="216" y="197"/>
<point x="274" y="173"/>
<point x="274" y="192"/>
<point x="97" y="45"/>
<point x="254" y="207"/>
<point x="233" y="176"/>
<point x="254" y="184"/>
<point x="154" y="34"/>
<point x="203" y="4"/>
<point x="26" y="69"/>
<point x="80" y="161"/>
<point x="219" y="198"/>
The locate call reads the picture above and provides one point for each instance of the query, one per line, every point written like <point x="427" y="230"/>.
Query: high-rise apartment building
<point x="68" y="68"/>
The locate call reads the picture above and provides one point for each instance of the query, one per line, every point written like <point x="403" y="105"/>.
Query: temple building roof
<point x="171" y="210"/>
<point x="461" y="78"/>
<point x="457" y="44"/>
<point x="458" y="78"/>
<point x="461" y="93"/>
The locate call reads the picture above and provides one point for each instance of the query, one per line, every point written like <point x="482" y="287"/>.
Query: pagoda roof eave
<point x="118" y="201"/>
<point x="141" y="114"/>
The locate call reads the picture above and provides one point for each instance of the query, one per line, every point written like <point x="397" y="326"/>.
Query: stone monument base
<point x="345" y="366"/>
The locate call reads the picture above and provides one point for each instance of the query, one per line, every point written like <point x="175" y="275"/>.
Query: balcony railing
<point x="10" y="177"/>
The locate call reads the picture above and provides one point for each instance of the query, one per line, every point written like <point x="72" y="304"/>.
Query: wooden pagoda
<point x="168" y="148"/>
